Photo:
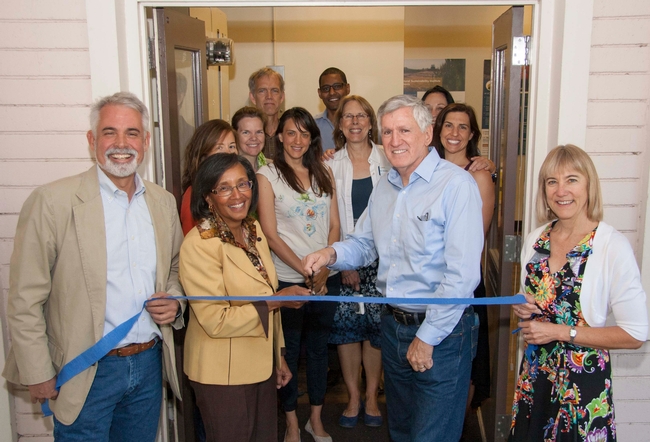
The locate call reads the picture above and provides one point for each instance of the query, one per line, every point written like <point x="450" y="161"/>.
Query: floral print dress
<point x="564" y="391"/>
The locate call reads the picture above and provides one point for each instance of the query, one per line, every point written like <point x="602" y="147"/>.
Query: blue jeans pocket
<point x="475" y="326"/>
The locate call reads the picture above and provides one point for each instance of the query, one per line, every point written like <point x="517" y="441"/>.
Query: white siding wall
<point x="618" y="141"/>
<point x="44" y="98"/>
<point x="45" y="93"/>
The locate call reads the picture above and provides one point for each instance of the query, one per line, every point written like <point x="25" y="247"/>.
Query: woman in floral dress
<point x="575" y="271"/>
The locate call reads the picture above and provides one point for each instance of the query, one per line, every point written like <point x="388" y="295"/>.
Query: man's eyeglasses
<point x="244" y="186"/>
<point x="336" y="86"/>
<point x="350" y="117"/>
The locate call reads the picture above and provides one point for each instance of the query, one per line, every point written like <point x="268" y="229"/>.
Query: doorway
<point x="373" y="47"/>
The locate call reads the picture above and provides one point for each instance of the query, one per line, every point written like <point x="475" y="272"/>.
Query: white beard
<point x="119" y="170"/>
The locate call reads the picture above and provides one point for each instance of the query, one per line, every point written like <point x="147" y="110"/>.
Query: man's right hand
<point x="313" y="262"/>
<point x="44" y="390"/>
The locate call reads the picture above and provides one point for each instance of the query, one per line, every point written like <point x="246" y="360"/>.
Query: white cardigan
<point x="611" y="282"/>
<point x="342" y="168"/>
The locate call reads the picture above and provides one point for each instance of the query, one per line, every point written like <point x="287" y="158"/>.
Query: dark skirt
<point x="239" y="413"/>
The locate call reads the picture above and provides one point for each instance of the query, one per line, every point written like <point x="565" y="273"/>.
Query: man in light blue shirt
<point x="424" y="223"/>
<point x="332" y="86"/>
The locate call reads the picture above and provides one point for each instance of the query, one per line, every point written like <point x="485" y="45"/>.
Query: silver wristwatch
<point x="572" y="334"/>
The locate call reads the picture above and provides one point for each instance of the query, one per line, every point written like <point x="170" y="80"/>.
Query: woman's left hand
<point x="283" y="374"/>
<point x="540" y="333"/>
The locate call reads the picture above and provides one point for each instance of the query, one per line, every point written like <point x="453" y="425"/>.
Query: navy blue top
<point x="361" y="190"/>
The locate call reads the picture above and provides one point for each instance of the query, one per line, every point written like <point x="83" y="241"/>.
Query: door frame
<point x="118" y="32"/>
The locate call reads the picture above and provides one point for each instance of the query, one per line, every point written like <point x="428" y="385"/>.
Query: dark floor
<point x="336" y="401"/>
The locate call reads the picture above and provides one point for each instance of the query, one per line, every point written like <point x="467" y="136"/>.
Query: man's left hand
<point x="163" y="311"/>
<point x="420" y="355"/>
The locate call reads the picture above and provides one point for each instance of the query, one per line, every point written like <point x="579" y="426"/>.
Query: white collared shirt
<point x="130" y="258"/>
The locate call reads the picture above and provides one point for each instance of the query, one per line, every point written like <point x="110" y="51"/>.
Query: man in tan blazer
<point x="89" y="250"/>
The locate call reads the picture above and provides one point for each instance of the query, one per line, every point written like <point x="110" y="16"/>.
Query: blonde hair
<point x="572" y="157"/>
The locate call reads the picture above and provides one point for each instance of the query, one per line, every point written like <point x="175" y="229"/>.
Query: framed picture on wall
<point x="420" y="75"/>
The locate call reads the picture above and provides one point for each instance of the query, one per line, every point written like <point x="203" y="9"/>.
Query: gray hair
<point x="119" y="99"/>
<point x="264" y="72"/>
<point x="421" y="113"/>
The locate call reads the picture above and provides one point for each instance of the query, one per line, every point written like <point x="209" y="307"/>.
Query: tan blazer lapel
<point x="163" y="235"/>
<point x="91" y="236"/>
<point x="240" y="259"/>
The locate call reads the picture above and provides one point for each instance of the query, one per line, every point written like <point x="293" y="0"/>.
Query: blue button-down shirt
<point x="326" y="131"/>
<point x="130" y="259"/>
<point x="428" y="236"/>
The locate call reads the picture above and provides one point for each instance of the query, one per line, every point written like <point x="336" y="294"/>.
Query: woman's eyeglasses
<point x="350" y="117"/>
<point x="244" y="186"/>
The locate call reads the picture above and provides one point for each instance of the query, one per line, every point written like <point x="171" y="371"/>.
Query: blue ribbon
<point x="89" y="357"/>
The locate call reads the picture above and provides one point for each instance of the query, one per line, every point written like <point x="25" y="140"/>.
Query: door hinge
<point x="520" y="49"/>
<point x="511" y="248"/>
<point x="503" y="422"/>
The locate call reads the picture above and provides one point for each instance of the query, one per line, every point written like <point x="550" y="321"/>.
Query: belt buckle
<point x="128" y="350"/>
<point x="400" y="316"/>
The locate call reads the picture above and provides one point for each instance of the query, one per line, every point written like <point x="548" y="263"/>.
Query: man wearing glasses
<point x="332" y="86"/>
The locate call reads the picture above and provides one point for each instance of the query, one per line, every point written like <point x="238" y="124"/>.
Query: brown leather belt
<point x="132" y="349"/>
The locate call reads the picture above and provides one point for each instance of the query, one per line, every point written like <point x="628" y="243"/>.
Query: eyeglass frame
<point x="232" y="189"/>
<point x="351" y="117"/>
<point x="336" y="86"/>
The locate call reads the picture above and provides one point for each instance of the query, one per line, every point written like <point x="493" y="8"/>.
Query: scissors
<point x="311" y="284"/>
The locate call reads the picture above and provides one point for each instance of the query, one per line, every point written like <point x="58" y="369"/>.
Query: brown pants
<point x="238" y="413"/>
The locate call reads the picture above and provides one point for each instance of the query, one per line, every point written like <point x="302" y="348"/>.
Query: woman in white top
<point x="298" y="214"/>
<point x="575" y="270"/>
<point x="357" y="166"/>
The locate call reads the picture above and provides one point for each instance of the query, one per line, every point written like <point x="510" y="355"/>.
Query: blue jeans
<point x="315" y="320"/>
<point x="123" y="403"/>
<point x="427" y="406"/>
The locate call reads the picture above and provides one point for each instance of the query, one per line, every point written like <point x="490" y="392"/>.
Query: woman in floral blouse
<point x="575" y="271"/>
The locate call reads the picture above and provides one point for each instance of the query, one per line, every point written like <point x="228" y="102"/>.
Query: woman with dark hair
<point x="232" y="349"/>
<point x="298" y="213"/>
<point x="248" y="123"/>
<point x="584" y="297"/>
<point x="436" y="99"/>
<point x="357" y="166"/>
<point x="456" y="136"/>
<point x="212" y="137"/>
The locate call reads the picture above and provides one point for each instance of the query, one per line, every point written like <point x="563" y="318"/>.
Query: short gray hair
<point x="421" y="113"/>
<point x="119" y="99"/>
<point x="264" y="72"/>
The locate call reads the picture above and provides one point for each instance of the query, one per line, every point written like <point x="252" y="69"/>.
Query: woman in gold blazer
<point x="232" y="347"/>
